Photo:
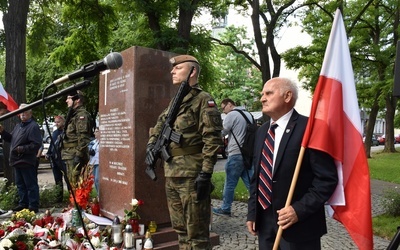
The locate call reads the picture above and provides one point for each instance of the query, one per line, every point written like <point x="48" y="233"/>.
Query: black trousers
<point x="267" y="230"/>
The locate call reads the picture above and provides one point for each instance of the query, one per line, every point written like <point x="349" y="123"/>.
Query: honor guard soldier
<point x="78" y="128"/>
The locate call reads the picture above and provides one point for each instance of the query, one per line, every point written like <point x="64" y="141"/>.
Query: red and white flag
<point x="335" y="127"/>
<point x="7" y="99"/>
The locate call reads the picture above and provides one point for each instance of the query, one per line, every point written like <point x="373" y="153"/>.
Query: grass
<point x="382" y="166"/>
<point x="218" y="178"/>
<point x="385" y="225"/>
<point x="385" y="167"/>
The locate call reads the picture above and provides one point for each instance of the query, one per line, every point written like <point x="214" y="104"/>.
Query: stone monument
<point x="130" y="100"/>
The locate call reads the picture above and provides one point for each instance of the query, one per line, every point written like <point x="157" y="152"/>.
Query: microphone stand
<point x="63" y="92"/>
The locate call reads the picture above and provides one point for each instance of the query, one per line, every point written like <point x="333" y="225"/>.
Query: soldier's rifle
<point x="167" y="134"/>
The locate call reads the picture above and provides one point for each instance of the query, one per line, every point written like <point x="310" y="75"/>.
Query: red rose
<point x="48" y="220"/>
<point x="2" y="232"/>
<point x="59" y="221"/>
<point x="79" y="235"/>
<point x="19" y="224"/>
<point x="21" y="245"/>
<point x="38" y="222"/>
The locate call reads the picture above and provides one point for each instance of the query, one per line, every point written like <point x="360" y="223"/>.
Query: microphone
<point x="111" y="61"/>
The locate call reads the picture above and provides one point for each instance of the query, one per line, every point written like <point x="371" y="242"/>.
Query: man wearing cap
<point x="188" y="172"/>
<point x="78" y="127"/>
<point x="25" y="141"/>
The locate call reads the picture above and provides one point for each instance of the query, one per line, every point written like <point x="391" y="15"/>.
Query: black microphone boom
<point x="111" y="61"/>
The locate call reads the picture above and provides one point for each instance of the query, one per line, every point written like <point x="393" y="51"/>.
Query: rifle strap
<point x="187" y="150"/>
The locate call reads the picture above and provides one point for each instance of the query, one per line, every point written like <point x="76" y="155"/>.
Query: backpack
<point x="247" y="148"/>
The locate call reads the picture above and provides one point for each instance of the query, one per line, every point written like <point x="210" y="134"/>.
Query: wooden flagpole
<point x="290" y="194"/>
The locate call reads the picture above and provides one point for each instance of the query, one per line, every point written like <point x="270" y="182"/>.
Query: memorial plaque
<point x="130" y="100"/>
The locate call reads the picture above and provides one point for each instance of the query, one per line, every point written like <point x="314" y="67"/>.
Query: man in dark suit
<point x="303" y="222"/>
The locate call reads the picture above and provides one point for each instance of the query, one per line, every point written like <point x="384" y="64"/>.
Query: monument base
<point x="166" y="238"/>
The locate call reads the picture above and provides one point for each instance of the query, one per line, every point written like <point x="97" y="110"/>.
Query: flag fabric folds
<point x="334" y="127"/>
<point x="7" y="100"/>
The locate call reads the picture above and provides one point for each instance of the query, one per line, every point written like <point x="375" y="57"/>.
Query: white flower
<point x="54" y="243"/>
<point x="135" y="202"/>
<point x="8" y="223"/>
<point x="30" y="232"/>
<point x="6" y="243"/>
<point x="95" y="241"/>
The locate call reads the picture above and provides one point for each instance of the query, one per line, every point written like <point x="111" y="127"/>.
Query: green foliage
<point x="9" y="195"/>
<point x="385" y="167"/>
<point x="385" y="226"/>
<point x="48" y="196"/>
<point x="392" y="202"/>
<point x="238" y="78"/>
<point x="218" y="179"/>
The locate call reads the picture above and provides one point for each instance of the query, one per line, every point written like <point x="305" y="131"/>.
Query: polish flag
<point x="7" y="99"/>
<point x="335" y="127"/>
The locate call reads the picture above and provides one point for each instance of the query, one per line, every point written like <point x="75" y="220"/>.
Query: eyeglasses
<point x="223" y="108"/>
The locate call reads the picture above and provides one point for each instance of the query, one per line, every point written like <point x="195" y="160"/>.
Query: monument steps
<point x="166" y="239"/>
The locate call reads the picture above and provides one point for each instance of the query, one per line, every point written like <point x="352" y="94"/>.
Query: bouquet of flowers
<point x="132" y="216"/>
<point x="83" y="187"/>
<point x="49" y="232"/>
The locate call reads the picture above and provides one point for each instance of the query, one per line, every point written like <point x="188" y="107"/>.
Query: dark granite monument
<point x="130" y="100"/>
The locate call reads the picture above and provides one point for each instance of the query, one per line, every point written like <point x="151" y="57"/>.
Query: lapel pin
<point x="287" y="131"/>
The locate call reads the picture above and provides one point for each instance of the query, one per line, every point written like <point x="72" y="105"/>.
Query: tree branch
<point x="244" y="53"/>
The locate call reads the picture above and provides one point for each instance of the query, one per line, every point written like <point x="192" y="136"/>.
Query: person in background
<point x="234" y="124"/>
<point x="25" y="141"/>
<point x="94" y="147"/>
<point x="279" y="142"/>
<point x="188" y="172"/>
<point x="54" y="156"/>
<point x="78" y="128"/>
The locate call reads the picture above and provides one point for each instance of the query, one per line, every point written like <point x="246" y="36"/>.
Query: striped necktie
<point x="265" y="177"/>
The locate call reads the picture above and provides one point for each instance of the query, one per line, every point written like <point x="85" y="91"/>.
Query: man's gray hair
<point x="289" y="85"/>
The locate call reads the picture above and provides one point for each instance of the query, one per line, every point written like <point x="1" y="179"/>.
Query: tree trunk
<point x="261" y="46"/>
<point x="389" y="117"/>
<point x="371" y="124"/>
<point x="14" y="21"/>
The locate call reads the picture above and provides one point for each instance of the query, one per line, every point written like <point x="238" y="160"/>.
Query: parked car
<point x="397" y="138"/>
<point x="375" y="141"/>
<point x="381" y="140"/>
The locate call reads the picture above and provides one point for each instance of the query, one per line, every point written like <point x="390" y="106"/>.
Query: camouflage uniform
<point x="75" y="144"/>
<point x="199" y="122"/>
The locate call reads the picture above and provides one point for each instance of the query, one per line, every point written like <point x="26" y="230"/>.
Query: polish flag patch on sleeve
<point x="211" y="103"/>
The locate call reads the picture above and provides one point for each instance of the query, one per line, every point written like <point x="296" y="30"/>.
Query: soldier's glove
<point x="203" y="186"/>
<point x="150" y="158"/>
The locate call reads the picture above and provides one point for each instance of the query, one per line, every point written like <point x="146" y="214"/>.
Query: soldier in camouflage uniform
<point x="77" y="136"/>
<point x="188" y="173"/>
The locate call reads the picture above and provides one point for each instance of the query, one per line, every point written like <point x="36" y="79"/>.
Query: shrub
<point x="9" y="195"/>
<point x="392" y="202"/>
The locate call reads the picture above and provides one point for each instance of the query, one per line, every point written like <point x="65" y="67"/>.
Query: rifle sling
<point x="187" y="151"/>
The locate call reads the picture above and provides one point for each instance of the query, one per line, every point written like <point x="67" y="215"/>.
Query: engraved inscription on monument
<point x="115" y="126"/>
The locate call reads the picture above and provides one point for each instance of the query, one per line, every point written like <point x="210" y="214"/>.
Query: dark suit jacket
<point x="316" y="182"/>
